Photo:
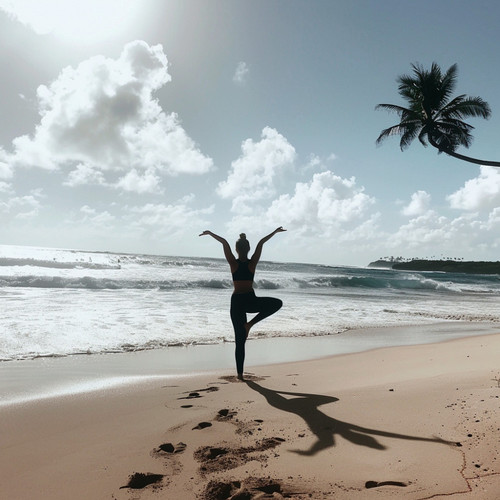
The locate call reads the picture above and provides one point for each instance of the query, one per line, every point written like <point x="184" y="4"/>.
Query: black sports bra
<point x="242" y="273"/>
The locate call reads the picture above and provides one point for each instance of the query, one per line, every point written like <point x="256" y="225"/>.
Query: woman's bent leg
<point x="265" y="306"/>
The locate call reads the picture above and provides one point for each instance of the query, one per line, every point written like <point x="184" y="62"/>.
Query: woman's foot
<point x="240" y="376"/>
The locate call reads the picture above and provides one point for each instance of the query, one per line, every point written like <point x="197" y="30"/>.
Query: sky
<point x="134" y="126"/>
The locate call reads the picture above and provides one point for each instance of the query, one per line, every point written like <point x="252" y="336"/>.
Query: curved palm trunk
<point x="463" y="157"/>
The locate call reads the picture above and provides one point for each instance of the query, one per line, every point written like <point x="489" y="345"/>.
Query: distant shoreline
<point x="446" y="266"/>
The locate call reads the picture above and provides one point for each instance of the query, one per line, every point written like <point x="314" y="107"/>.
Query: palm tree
<point x="432" y="115"/>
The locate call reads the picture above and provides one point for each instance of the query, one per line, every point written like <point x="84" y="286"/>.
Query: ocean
<point x="59" y="302"/>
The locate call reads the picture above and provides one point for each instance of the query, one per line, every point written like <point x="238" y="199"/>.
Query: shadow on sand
<point x="324" y="427"/>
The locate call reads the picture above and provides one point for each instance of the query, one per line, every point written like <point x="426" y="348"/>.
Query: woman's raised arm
<point x="258" y="249"/>
<point x="225" y="245"/>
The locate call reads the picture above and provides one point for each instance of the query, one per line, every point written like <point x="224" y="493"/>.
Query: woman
<point x="244" y="300"/>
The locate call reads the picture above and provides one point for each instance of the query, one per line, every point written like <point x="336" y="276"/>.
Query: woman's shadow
<point x="324" y="427"/>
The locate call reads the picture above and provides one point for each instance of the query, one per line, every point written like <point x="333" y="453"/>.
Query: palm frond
<point x="388" y="132"/>
<point x="422" y="137"/>
<point x="431" y="115"/>
<point x="392" y="108"/>
<point x="409" y="133"/>
<point x="448" y="82"/>
<point x="464" y="107"/>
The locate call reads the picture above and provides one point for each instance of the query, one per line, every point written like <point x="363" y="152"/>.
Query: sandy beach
<point x="414" y="422"/>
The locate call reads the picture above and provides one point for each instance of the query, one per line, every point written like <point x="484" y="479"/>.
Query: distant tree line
<point x="395" y="260"/>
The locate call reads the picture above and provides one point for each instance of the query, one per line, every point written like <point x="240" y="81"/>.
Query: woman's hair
<point x="242" y="245"/>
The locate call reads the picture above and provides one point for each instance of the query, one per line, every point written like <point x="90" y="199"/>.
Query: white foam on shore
<point x="45" y="378"/>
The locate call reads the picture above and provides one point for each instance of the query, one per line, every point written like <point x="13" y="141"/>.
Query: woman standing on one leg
<point x="244" y="300"/>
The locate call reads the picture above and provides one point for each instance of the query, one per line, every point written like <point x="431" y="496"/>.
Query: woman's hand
<point x="279" y="230"/>
<point x="205" y="233"/>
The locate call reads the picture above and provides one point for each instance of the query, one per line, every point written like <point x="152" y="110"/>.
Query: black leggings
<point x="241" y="304"/>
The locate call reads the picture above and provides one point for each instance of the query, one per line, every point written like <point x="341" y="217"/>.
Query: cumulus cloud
<point x="94" y="218"/>
<point x="168" y="219"/>
<point x="327" y="206"/>
<point x="429" y="228"/>
<point x="101" y="117"/>
<point x="85" y="174"/>
<point x="22" y="207"/>
<point x="251" y="177"/>
<point x="327" y="200"/>
<point x="147" y="182"/>
<point x="419" y="204"/>
<point x="5" y="169"/>
<point x="5" y="187"/>
<point x="435" y="235"/>
<point x="482" y="192"/>
<point x="241" y="73"/>
<point x="493" y="221"/>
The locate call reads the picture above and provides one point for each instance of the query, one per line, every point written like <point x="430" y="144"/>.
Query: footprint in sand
<point x="249" y="489"/>
<point x="217" y="459"/>
<point x="375" y="484"/>
<point x="202" y="425"/>
<point x="196" y="394"/>
<point x="192" y="395"/>
<point x="139" y="480"/>
<point x="170" y="448"/>
<point x="225" y="414"/>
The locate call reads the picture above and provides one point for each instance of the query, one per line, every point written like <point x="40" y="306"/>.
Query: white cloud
<point x="5" y="187"/>
<point x="427" y="229"/>
<point x="84" y="174"/>
<point x="314" y="163"/>
<point x="241" y="73"/>
<point x="482" y="192"/>
<point x="492" y="223"/>
<point x="5" y="169"/>
<point x="96" y="219"/>
<point x="168" y="219"/>
<point x="326" y="201"/>
<point x="148" y="182"/>
<point x="419" y="204"/>
<point x="434" y="235"/>
<point x="365" y="235"/>
<point x="101" y="114"/>
<point x="22" y="207"/>
<point x="326" y="207"/>
<point x="251" y="177"/>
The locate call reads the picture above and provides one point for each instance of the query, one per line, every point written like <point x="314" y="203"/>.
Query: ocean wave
<point x="410" y="282"/>
<point x="90" y="283"/>
<point x="186" y="281"/>
<point x="12" y="262"/>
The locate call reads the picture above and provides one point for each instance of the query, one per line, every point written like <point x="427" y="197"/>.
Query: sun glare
<point x="84" y="22"/>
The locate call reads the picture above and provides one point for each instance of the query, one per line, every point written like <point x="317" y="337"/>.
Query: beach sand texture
<point x="413" y="422"/>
